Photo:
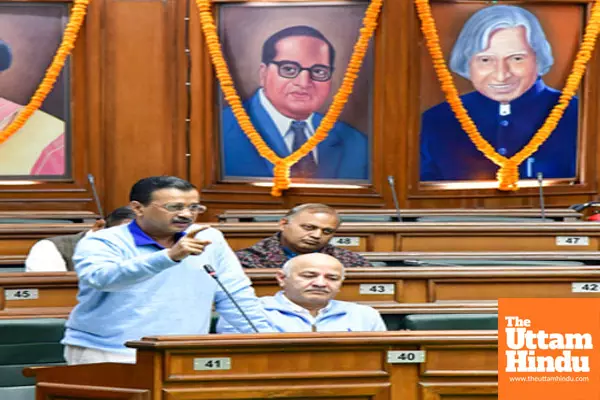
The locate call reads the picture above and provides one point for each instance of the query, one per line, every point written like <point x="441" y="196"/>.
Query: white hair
<point x="286" y="268"/>
<point x="475" y="36"/>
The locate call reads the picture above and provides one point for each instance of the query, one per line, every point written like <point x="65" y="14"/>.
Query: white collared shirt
<point x="303" y="311"/>
<point x="45" y="257"/>
<point x="504" y="109"/>
<point x="283" y="123"/>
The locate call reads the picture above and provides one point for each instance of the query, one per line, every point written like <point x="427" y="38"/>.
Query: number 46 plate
<point x="405" y="357"/>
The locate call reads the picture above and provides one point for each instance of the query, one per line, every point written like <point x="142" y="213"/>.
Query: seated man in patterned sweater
<point x="307" y="228"/>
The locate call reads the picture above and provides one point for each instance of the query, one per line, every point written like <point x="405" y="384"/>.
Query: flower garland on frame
<point x="508" y="174"/>
<point x="281" y="172"/>
<point x="68" y="43"/>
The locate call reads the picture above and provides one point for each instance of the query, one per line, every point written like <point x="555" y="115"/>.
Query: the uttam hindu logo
<point x="525" y="345"/>
<point x="549" y="349"/>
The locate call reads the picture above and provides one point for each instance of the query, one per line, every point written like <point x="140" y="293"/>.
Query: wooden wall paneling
<point x="129" y="104"/>
<point x="140" y="101"/>
<point x="70" y="194"/>
<point x="584" y="189"/>
<point x="204" y="146"/>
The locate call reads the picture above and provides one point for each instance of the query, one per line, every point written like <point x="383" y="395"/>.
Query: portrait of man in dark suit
<point x="295" y="81"/>
<point x="504" y="52"/>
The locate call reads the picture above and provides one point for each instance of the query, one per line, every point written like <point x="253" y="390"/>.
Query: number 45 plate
<point x="405" y="356"/>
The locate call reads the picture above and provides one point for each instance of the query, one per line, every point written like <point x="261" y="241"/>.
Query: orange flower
<point x="45" y="87"/>
<point x="281" y="172"/>
<point x="508" y="173"/>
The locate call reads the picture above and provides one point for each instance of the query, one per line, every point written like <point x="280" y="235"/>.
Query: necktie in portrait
<point x="307" y="166"/>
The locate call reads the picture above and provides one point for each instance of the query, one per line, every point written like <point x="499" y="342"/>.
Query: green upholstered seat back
<point x="448" y="322"/>
<point x="25" y="343"/>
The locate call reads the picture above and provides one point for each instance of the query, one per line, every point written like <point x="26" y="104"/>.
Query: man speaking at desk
<point x="295" y="80"/>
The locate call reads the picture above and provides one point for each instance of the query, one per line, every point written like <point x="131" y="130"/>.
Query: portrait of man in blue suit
<point x="296" y="68"/>
<point x="504" y="52"/>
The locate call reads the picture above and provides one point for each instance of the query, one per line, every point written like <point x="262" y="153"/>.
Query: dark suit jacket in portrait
<point x="343" y="155"/>
<point x="447" y="153"/>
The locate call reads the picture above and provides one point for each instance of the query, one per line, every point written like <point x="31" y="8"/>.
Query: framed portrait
<point x="287" y="61"/>
<point x="30" y="34"/>
<point x="509" y="64"/>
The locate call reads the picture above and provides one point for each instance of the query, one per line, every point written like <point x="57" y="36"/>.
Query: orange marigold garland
<point x="68" y="43"/>
<point x="508" y="174"/>
<point x="281" y="172"/>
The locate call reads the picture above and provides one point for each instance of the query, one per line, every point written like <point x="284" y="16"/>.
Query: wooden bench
<point x="398" y="290"/>
<point x="440" y="258"/>
<point x="17" y="239"/>
<point x="341" y="365"/>
<point x="409" y="258"/>
<point x="43" y="216"/>
<point x="408" y="215"/>
<point x="440" y="237"/>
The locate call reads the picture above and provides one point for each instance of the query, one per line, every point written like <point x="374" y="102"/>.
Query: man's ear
<point x="280" y="276"/>
<point x="262" y="74"/>
<point x="99" y="224"/>
<point x="137" y="208"/>
<point x="282" y="223"/>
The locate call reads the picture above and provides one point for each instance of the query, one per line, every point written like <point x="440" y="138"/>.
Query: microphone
<point x="211" y="271"/>
<point x="581" y="207"/>
<point x="95" y="194"/>
<point x="540" y="178"/>
<point x="5" y="56"/>
<point x="396" y="204"/>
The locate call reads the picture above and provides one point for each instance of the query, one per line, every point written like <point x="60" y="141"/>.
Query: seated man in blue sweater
<point x="147" y="278"/>
<point x="309" y="283"/>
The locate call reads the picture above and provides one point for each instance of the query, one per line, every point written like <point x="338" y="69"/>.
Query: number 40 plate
<point x="405" y="356"/>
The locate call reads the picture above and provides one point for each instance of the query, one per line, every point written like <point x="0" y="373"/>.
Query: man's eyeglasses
<point x="178" y="207"/>
<point x="291" y="69"/>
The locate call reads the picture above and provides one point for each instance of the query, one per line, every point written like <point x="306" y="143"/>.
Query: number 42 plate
<point x="585" y="287"/>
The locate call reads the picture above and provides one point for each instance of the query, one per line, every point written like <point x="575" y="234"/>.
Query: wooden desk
<point x="587" y="257"/>
<point x="406" y="290"/>
<point x="12" y="260"/>
<point x="17" y="239"/>
<point x="563" y="214"/>
<point x="75" y="216"/>
<point x="309" y="366"/>
<point x="395" y="290"/>
<point x="33" y="294"/>
<point x="425" y="237"/>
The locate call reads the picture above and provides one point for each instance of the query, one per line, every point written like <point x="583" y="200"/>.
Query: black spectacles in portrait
<point x="291" y="69"/>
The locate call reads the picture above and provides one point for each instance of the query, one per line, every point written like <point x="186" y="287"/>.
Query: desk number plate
<point x="585" y="287"/>
<point x="349" y="241"/>
<point x="376" y="288"/>
<point x="21" y="294"/>
<point x="405" y="357"/>
<point x="572" y="241"/>
<point x="212" y="364"/>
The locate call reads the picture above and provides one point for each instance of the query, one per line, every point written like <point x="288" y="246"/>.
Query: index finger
<point x="197" y="230"/>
